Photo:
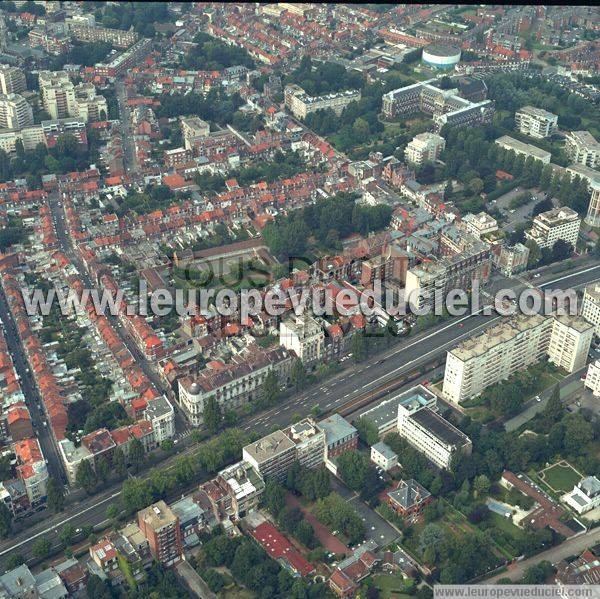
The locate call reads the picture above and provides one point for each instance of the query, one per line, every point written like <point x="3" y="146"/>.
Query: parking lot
<point x="376" y="528"/>
<point x="516" y="215"/>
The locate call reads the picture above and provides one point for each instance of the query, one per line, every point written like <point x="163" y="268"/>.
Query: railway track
<point x="365" y="399"/>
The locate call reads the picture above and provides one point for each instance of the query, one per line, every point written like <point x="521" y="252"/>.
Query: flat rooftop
<point x="439" y="427"/>
<point x="269" y="446"/>
<point x="519" y="146"/>
<point x="386" y="412"/>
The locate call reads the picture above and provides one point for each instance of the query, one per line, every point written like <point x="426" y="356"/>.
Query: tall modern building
<point x="161" y="528"/>
<point x="12" y="80"/>
<point x="590" y="306"/>
<point x="558" y="223"/>
<point x="424" y="147"/>
<point x="513" y="345"/>
<point x="272" y="455"/>
<point x="536" y="122"/>
<point x="58" y="93"/>
<point x="15" y="112"/>
<point x="592" y="217"/>
<point x="193" y="129"/>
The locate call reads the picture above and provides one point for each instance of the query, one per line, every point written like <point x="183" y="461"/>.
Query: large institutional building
<point x="446" y="106"/>
<point x="514" y="345"/>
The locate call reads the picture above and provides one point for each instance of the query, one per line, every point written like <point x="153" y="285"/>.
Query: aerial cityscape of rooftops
<point x="299" y="300"/>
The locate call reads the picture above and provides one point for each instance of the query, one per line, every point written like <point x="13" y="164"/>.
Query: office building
<point x="383" y="456"/>
<point x="430" y="434"/>
<point x="161" y="528"/>
<point x="582" y="147"/>
<point x="536" y="122"/>
<point x="272" y="455"/>
<point x="558" y="223"/>
<point x="592" y="218"/>
<point x="302" y="335"/>
<point x="518" y="147"/>
<point x="424" y="147"/>
<point x="12" y="80"/>
<point x="193" y="129"/>
<point x="300" y="104"/>
<point x="570" y="342"/>
<point x="15" y="112"/>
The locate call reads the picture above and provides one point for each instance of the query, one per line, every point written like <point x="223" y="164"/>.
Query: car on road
<point x="538" y="398"/>
<point x="537" y="275"/>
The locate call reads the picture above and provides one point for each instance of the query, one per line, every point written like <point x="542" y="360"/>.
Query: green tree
<point x="167" y="445"/>
<point x="135" y="494"/>
<point x="66" y="534"/>
<point x="305" y="533"/>
<point x="481" y="485"/>
<point x="5" y="521"/>
<point x="534" y="253"/>
<point x="137" y="455"/>
<point x="431" y="536"/>
<point x="353" y="467"/>
<point x="41" y="548"/>
<point x="212" y="416"/>
<point x="358" y="347"/>
<point x="274" y="496"/>
<point x="102" y="469"/>
<point x="271" y="388"/>
<point x="55" y="499"/>
<point x="298" y="374"/>
<point x="367" y="431"/>
<point x="96" y="588"/>
<point x="553" y="411"/>
<point x="14" y="560"/>
<point x="112" y="511"/>
<point x="118" y="463"/>
<point x="85" y="476"/>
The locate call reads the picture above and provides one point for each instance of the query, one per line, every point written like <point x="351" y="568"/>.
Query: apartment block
<point x="161" y="528"/>
<point x="536" y="122"/>
<point x="592" y="378"/>
<point x="304" y="336"/>
<point x="117" y="37"/>
<point x="510" y="259"/>
<point x="558" y="223"/>
<point x="15" y="112"/>
<point x="243" y="488"/>
<point x="480" y="224"/>
<point x="582" y="147"/>
<point x="518" y="147"/>
<point x="310" y="442"/>
<point x="125" y="60"/>
<point x="300" y="104"/>
<point x="494" y="355"/>
<point x="424" y="147"/>
<point x="592" y="217"/>
<point x="513" y="345"/>
<point x="233" y="384"/>
<point x="272" y="455"/>
<point x="590" y="306"/>
<point x="12" y="80"/>
<point x="570" y="342"/>
<point x="431" y="434"/>
<point x="193" y="129"/>
<point x="161" y="415"/>
<point x="58" y="93"/>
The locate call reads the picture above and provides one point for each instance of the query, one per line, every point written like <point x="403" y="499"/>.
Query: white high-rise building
<point x="513" y="345"/>
<point x="592" y="378"/>
<point x="58" y="93"/>
<point x="590" y="306"/>
<point x="570" y="342"/>
<point x="424" y="147"/>
<point x="15" y="112"/>
<point x="536" y="122"/>
<point x="193" y="129"/>
<point x="592" y="217"/>
<point x="582" y="147"/>
<point x="12" y="80"/>
<point x="558" y="223"/>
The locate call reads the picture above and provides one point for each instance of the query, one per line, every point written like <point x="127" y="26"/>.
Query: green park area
<point x="560" y="477"/>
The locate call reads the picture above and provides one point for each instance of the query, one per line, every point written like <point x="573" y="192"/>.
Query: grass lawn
<point x="390" y="586"/>
<point x="560" y="477"/>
